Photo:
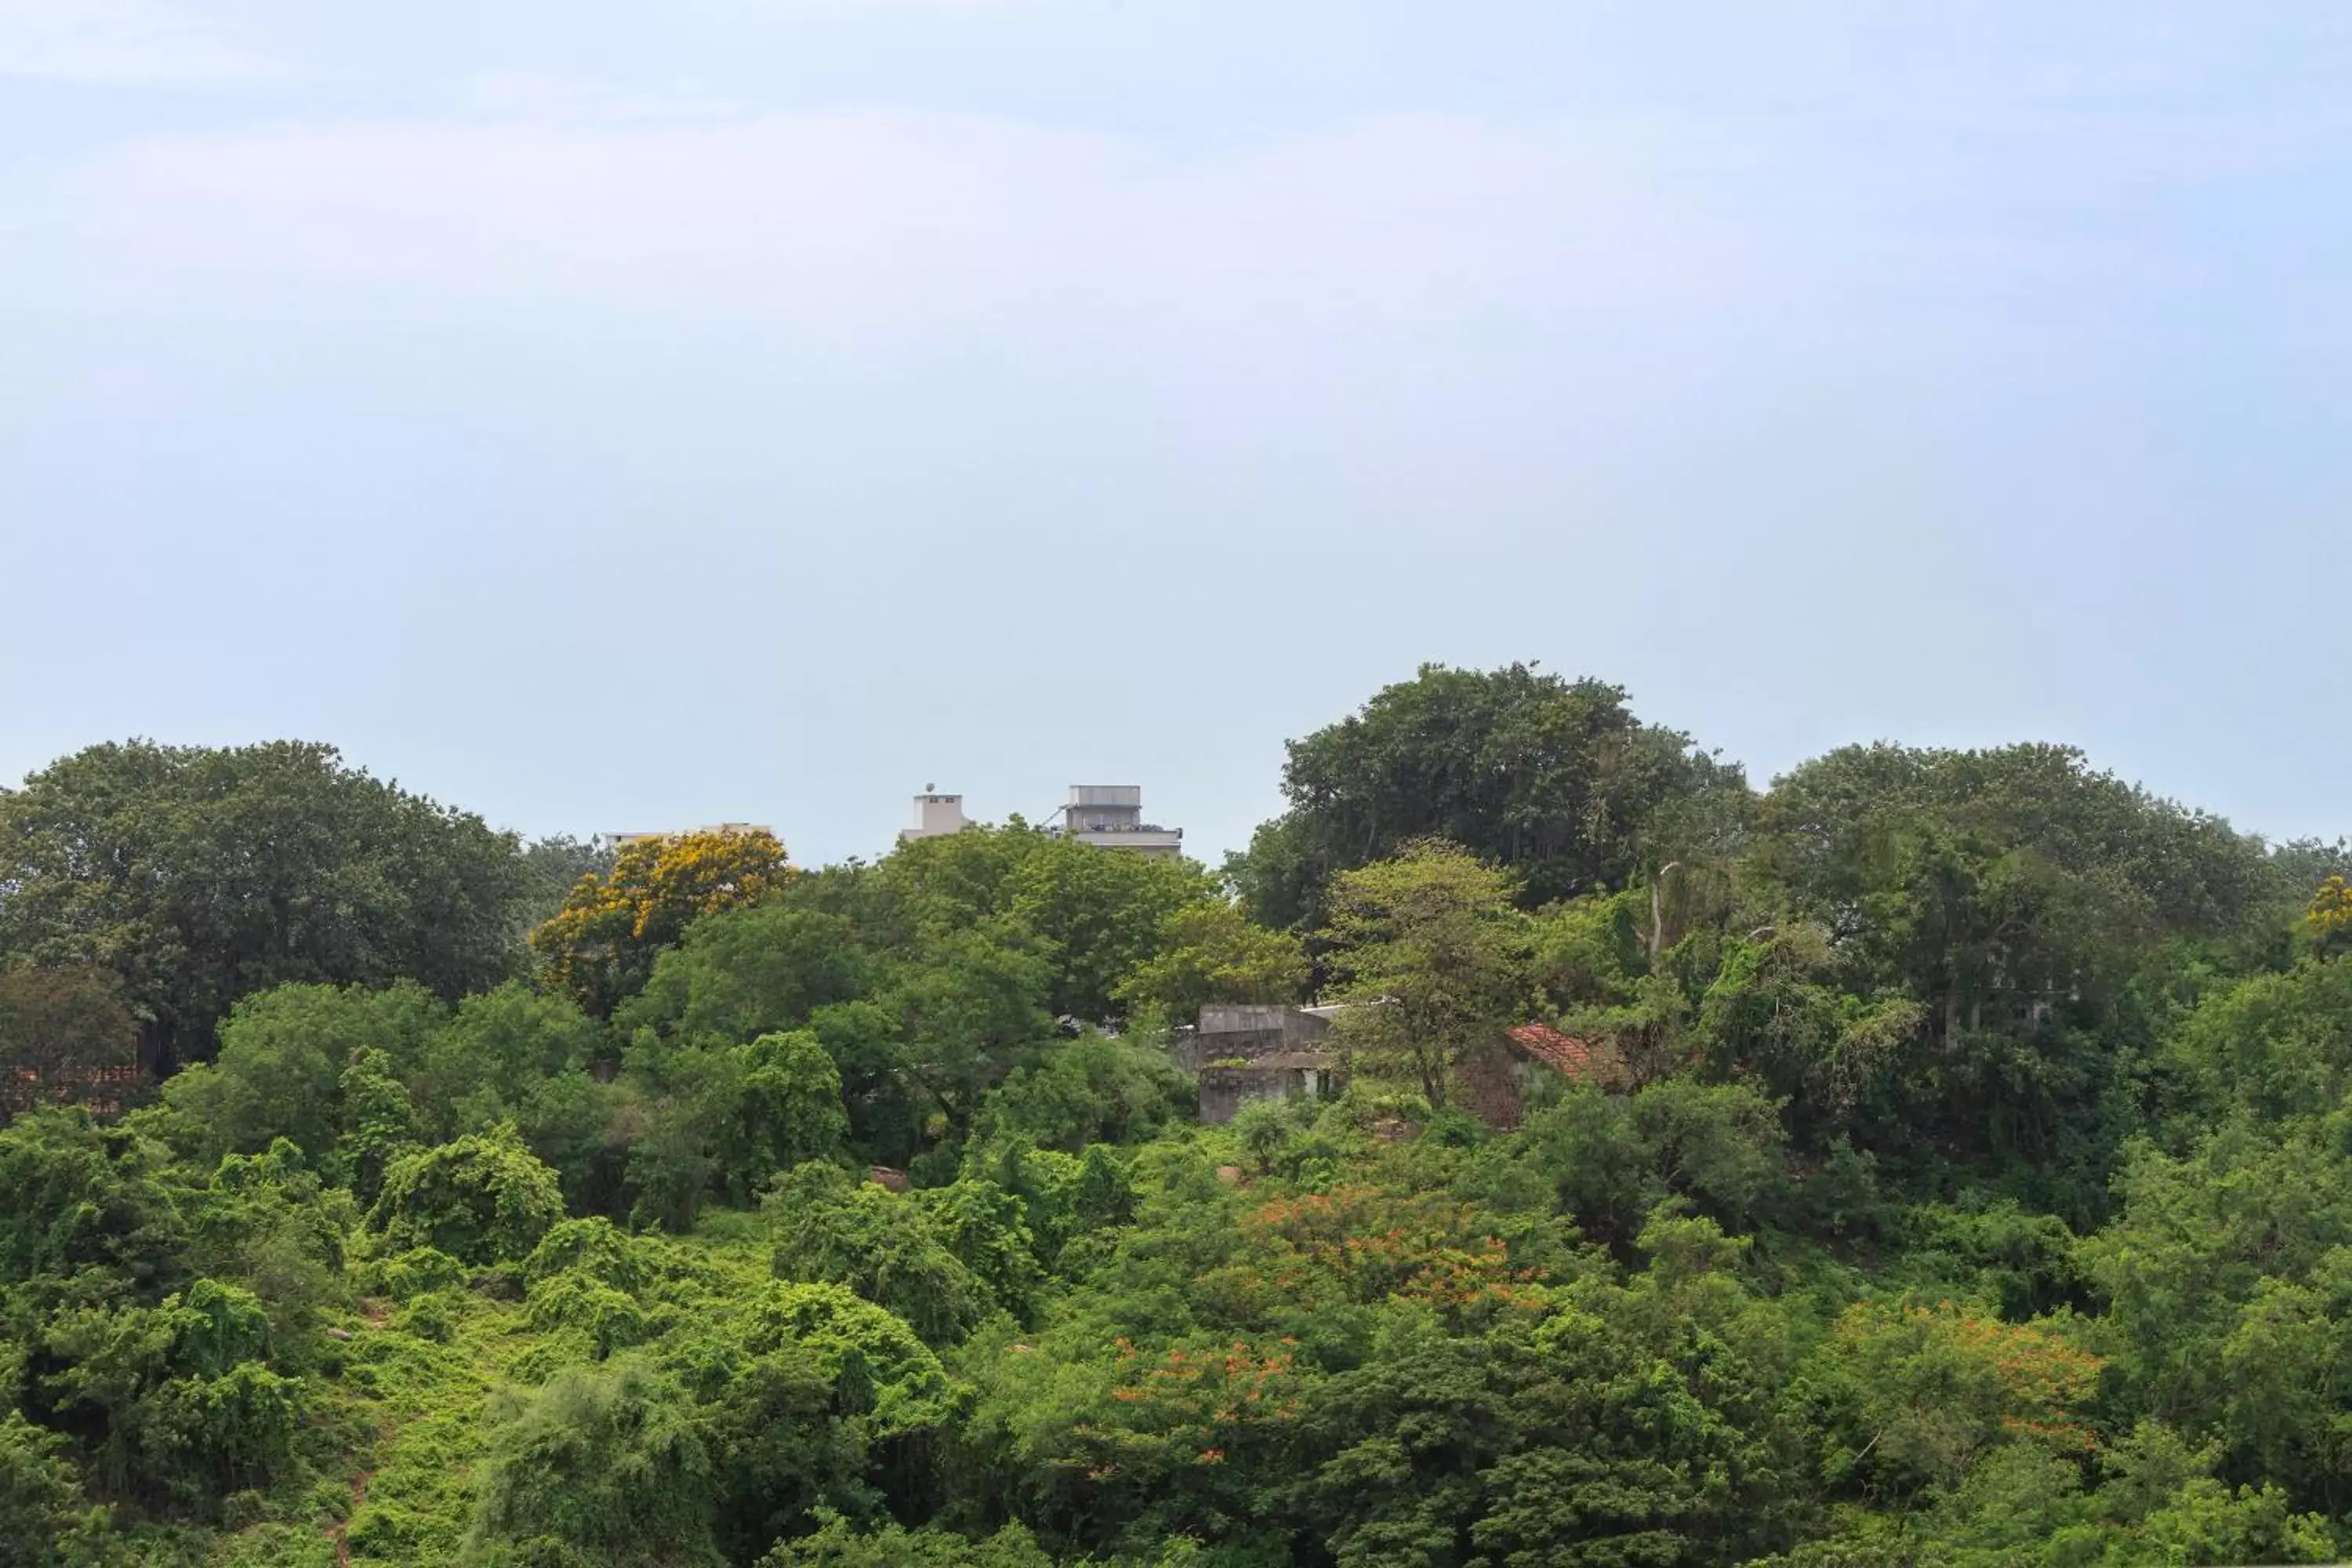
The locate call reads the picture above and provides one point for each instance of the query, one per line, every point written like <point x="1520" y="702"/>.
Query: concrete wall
<point x="1224" y="1090"/>
<point x="1281" y="1051"/>
<point x="1280" y="1027"/>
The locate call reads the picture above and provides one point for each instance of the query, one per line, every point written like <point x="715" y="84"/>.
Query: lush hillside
<point x="1980" y="1190"/>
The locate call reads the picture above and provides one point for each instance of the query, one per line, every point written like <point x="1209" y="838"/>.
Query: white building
<point x="1110" y="816"/>
<point x="936" y="816"/>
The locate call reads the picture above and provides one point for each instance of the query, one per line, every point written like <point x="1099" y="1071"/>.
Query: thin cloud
<point x="543" y="96"/>
<point x="120" y="42"/>
<point x="875" y="227"/>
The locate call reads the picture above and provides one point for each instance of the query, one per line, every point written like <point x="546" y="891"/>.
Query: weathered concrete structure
<point x="1243" y="1052"/>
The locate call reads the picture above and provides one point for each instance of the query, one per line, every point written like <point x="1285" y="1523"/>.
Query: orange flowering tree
<point x="600" y="946"/>
<point x="1361" y="1244"/>
<point x="1161" y="1442"/>
<point x="1934" y="1388"/>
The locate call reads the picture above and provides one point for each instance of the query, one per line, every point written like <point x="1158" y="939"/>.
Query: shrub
<point x="483" y="1199"/>
<point x="405" y="1276"/>
<point x="595" y="1247"/>
<point x="40" y="1504"/>
<point x="601" y="1466"/>
<point x="609" y="1319"/>
<point x="880" y="1243"/>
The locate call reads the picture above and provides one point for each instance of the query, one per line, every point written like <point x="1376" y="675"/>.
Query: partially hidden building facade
<point x="1243" y="1052"/>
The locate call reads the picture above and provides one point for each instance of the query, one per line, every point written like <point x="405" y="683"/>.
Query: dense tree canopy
<point x="1554" y="779"/>
<point x="63" y="1026"/>
<point x="199" y="876"/>
<point x="1952" y="1168"/>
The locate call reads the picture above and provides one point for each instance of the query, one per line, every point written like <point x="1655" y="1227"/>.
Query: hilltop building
<point x="936" y="816"/>
<point x="1110" y="816"/>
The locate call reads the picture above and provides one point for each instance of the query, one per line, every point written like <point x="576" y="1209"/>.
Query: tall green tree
<point x="1096" y="915"/>
<point x="201" y="874"/>
<point x="743" y="972"/>
<point x="2007" y="916"/>
<point x="282" y="1057"/>
<point x="1214" y="951"/>
<point x="556" y="864"/>
<point x="1556" y="780"/>
<point x="600" y="1466"/>
<point x="1433" y="958"/>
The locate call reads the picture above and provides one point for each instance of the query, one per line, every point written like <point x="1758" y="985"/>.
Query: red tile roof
<point x="1547" y="1044"/>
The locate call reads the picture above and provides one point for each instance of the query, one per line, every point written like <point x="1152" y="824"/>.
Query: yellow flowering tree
<point x="600" y="947"/>
<point x="2331" y="913"/>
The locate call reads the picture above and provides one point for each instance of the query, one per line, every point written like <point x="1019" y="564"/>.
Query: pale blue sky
<point x="621" y="415"/>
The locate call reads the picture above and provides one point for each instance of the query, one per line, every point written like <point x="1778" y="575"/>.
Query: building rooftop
<point x="1580" y="1059"/>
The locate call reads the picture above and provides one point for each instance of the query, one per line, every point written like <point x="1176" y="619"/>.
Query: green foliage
<point x="1949" y="1167"/>
<point x="1553" y="779"/>
<point x="2278" y="1047"/>
<point x="484" y="1199"/>
<point x="787" y="1109"/>
<point x="62" y="1025"/>
<point x="591" y="1248"/>
<point x="283" y="1053"/>
<point x="884" y="1247"/>
<point x="1212" y="951"/>
<point x="41" y="1505"/>
<point x="254" y="866"/>
<point x="727" y="1119"/>
<point x="986" y="1228"/>
<point x="187" y="1407"/>
<point x="1434" y="959"/>
<point x="599" y="1468"/>
<point x="605" y="1318"/>
<point x="378" y="1120"/>
<point x="781" y="1445"/>
<point x="1100" y="917"/>
<point x="744" y="973"/>
<point x="1093" y="918"/>
<point x="837" y="1545"/>
<point x="554" y="866"/>
<point x="851" y="1338"/>
<point x="488" y="1062"/>
<point x="1717" y="1145"/>
<point x="1608" y="1162"/>
<point x="404" y="1276"/>
<point x="1092" y="1089"/>
<point x="88" y="1212"/>
<point x="967" y="1004"/>
<point x="601" y="946"/>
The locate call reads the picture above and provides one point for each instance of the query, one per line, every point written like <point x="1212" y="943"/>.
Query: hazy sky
<point x="619" y="416"/>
